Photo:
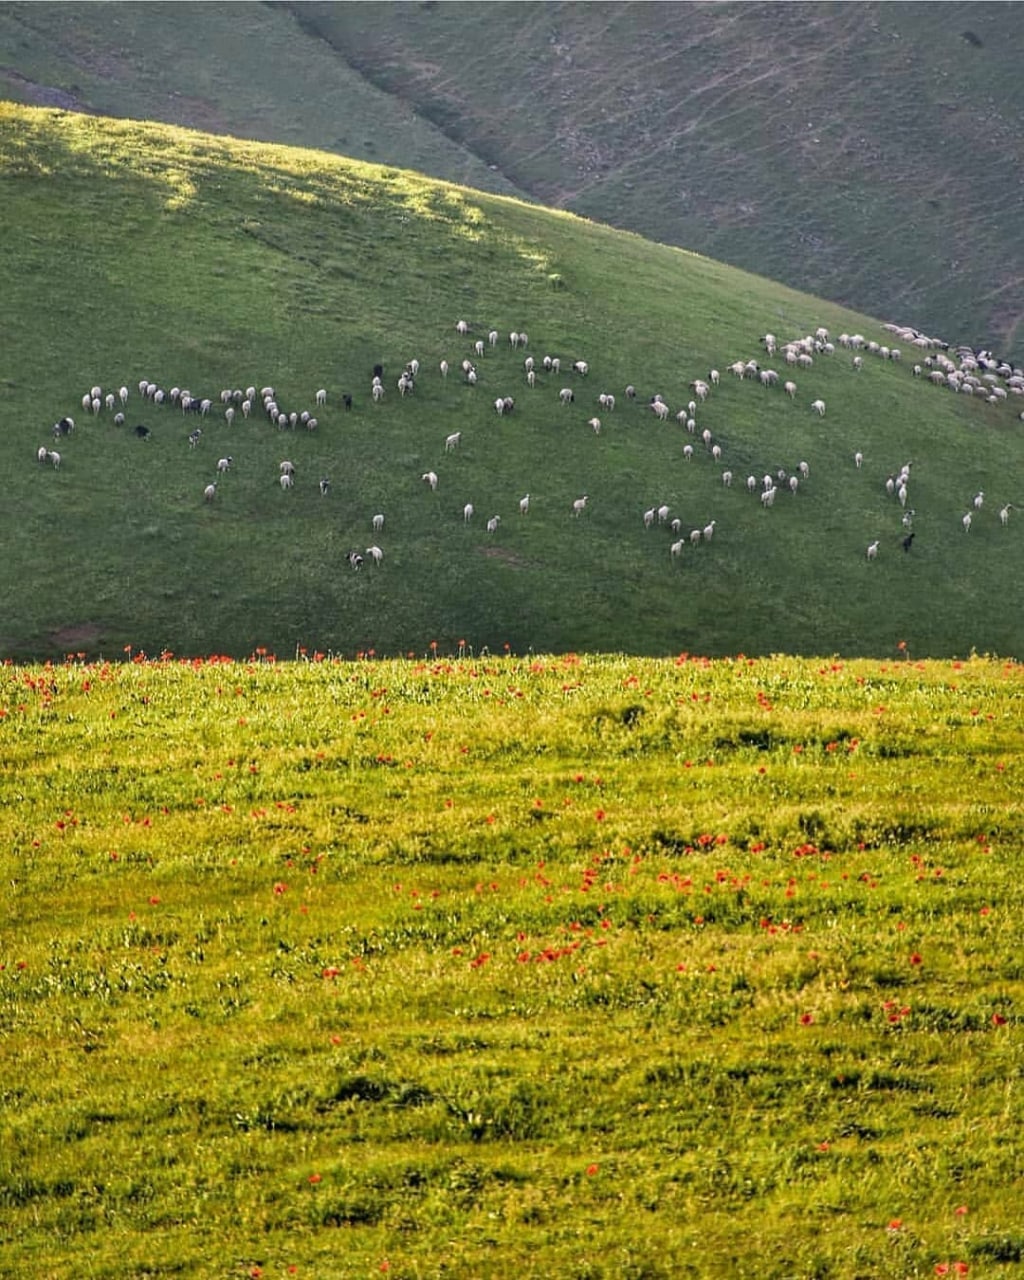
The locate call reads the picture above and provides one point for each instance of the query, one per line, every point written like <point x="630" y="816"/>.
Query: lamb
<point x="663" y="511"/>
<point x="581" y="367"/>
<point x="286" y="480"/>
<point x="42" y="454"/>
<point x="492" y="524"/>
<point x="1004" y="513"/>
<point x="524" y="504"/>
<point x="321" y="397"/>
<point x="378" y="522"/>
<point x="694" y="537"/>
<point x="872" y="551"/>
<point x="375" y="554"/>
<point x="462" y="328"/>
<point x="377" y="391"/>
<point x="452" y="441"/>
<point x="109" y="401"/>
<point x="709" y="529"/>
<point x="229" y="416"/>
<point x="355" y="560"/>
<point x="287" y="468"/>
<point x="804" y="469"/>
<point x="858" y="459"/>
<point x="430" y="477"/>
<point x="819" y="407"/>
<point x="979" y="499"/>
<point x="595" y="425"/>
<point x="790" y="389"/>
<point x="794" y="484"/>
<point x="676" y="549"/>
<point x="223" y="464"/>
<point x="566" y="395"/>
<point x="325" y="486"/>
<point x="649" y="518"/>
<point x="492" y="337"/>
<point x="716" y="452"/>
<point x="768" y="497"/>
<point x="467" y="512"/>
<point x="531" y="378"/>
<point x="687" y="452"/>
<point x="727" y="479"/>
<point x="660" y="409"/>
<point x="209" y="493"/>
<point x="966" y="522"/>
<point x="478" y="346"/>
<point x="578" y="506"/>
<point x="444" y="368"/>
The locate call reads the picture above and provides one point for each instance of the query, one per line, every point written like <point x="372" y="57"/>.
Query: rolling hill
<point x="869" y="154"/>
<point x="145" y="253"/>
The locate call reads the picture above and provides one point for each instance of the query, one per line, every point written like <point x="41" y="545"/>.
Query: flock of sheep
<point x="973" y="373"/>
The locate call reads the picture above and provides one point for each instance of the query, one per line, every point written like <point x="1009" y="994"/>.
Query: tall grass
<point x="473" y="965"/>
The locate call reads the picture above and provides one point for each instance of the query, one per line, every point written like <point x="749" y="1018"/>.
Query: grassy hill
<point x="135" y="251"/>
<point x="865" y="153"/>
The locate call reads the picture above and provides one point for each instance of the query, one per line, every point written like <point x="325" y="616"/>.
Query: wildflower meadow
<point x="489" y="965"/>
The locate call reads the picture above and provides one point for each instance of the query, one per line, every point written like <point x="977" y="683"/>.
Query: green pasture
<point x="141" y="252"/>
<point x="474" y="965"/>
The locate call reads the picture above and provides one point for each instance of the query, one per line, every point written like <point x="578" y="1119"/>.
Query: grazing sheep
<point x="42" y="454"/>
<point x="663" y="512"/>
<point x="804" y="469"/>
<point x="246" y="408"/>
<point x="716" y="452"/>
<point x="751" y="484"/>
<point x="355" y="560"/>
<point x="676" y="525"/>
<point x="1004" y="513"/>
<point x="444" y="368"/>
<point x="768" y="497"/>
<point x="229" y="416"/>
<point x="430" y="477"/>
<point x="649" y="517"/>
<point x="492" y="337"/>
<point x="378" y="522"/>
<point x="966" y="522"/>
<point x="524" y="504"/>
<point x="581" y="367"/>
<point x="325" y="486"/>
<point x="606" y="400"/>
<point x="579" y="506"/>
<point x="492" y="524"/>
<point x="694" y="537"/>
<point x="709" y="529"/>
<point x="676" y="549"/>
<point x="467" y="512"/>
<point x="223" y="464"/>
<point x="209" y="493"/>
<point x="377" y="391"/>
<point x="790" y="389"/>
<point x="819" y="407"/>
<point x="872" y="551"/>
<point x="452" y="441"/>
<point x="714" y="377"/>
<point x="687" y="452"/>
<point x="631" y="393"/>
<point x="528" y="364"/>
<point x="727" y="479"/>
<point x="471" y="377"/>
<point x="979" y="499"/>
<point x="794" y="484"/>
<point x="566" y="395"/>
<point x="660" y="409"/>
<point x="462" y="328"/>
<point x="531" y="378"/>
<point x="595" y="425"/>
<point x="375" y="554"/>
<point x="141" y="431"/>
<point x="858" y="459"/>
<point x="321" y="397"/>
<point x="286" y="480"/>
<point x="478" y="346"/>
<point x="194" y="437"/>
<point x="287" y="468"/>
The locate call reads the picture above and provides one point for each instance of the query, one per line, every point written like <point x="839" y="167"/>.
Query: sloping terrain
<point x="870" y="154"/>
<point x="138" y="253"/>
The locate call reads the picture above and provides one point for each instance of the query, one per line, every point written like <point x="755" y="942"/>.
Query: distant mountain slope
<point x="140" y="253"/>
<point x="868" y="153"/>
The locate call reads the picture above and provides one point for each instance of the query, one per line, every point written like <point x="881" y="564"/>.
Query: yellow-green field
<point x="511" y="966"/>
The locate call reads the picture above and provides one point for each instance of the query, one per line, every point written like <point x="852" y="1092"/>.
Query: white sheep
<point x="804" y="469"/>
<point x="444" y="368"/>
<point x="378" y="522"/>
<point x="467" y="512"/>
<point x="660" y="409"/>
<point x="581" y="367"/>
<point x="579" y="506"/>
<point x="528" y="364"/>
<point x="524" y="504"/>
<point x="727" y="479"/>
<point x="872" y="551"/>
<point x="979" y="499"/>
<point x="377" y="391"/>
<point x="595" y="425"/>
<point x="375" y="554"/>
<point x="687" y="452"/>
<point x="430" y="477"/>
<point x="471" y="377"/>
<point x="492" y="337"/>
<point x="819" y="407"/>
<point x="858" y="459"/>
<point x="714" y="377"/>
<point x="223" y="464"/>
<point x="1004" y="513"/>
<point x="606" y="400"/>
<point x="531" y="378"/>
<point x="246" y="408"/>
<point x="676" y="549"/>
<point x="716" y="452"/>
<point x="675" y="525"/>
<point x="492" y="524"/>
<point x="768" y="497"/>
<point x="794" y="484"/>
<point x="694" y="537"/>
<point x="321" y="397"/>
<point x="286" y="480"/>
<point x="229" y="416"/>
<point x="649" y="517"/>
<point x="566" y="395"/>
<point x="966" y="522"/>
<point x="42" y="454"/>
<point x="790" y="389"/>
<point x="751" y="484"/>
<point x="287" y="468"/>
<point x="478" y="346"/>
<point x="452" y="442"/>
<point x="209" y="493"/>
<point x="663" y="512"/>
<point x="709" y="529"/>
<point x="462" y="328"/>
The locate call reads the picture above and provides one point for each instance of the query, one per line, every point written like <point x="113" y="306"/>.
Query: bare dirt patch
<point x="44" y="95"/>
<point x="75" y="637"/>
<point x="506" y="557"/>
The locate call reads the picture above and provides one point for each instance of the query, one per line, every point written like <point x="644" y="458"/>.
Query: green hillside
<point x="140" y="252"/>
<point x="865" y="153"/>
